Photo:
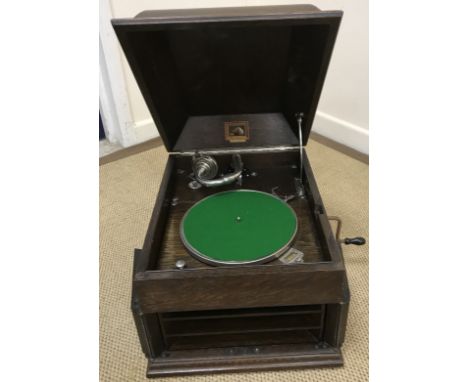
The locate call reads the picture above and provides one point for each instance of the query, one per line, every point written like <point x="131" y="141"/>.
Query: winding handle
<point x="347" y="240"/>
<point x="354" y="240"/>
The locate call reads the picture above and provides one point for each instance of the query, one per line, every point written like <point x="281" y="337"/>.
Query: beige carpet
<point x="128" y="188"/>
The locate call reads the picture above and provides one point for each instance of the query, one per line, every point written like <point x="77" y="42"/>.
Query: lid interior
<point x="196" y="76"/>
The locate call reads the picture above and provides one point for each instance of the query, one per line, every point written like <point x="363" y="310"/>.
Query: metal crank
<point x="358" y="240"/>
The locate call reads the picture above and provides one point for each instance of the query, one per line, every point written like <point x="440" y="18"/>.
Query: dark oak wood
<point x="223" y="288"/>
<point x="284" y="50"/>
<point x="272" y="171"/>
<point x="261" y="65"/>
<point x="204" y="308"/>
<point x="257" y="358"/>
<point x="138" y="316"/>
<point x="154" y="235"/>
<point x="266" y="130"/>
<point x="228" y="340"/>
<point x="216" y="13"/>
<point x="326" y="234"/>
<point x="335" y="327"/>
<point x="172" y="248"/>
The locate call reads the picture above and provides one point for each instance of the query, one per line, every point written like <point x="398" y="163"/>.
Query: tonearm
<point x="205" y="170"/>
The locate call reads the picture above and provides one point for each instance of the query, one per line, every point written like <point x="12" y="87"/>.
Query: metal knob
<point x="354" y="240"/>
<point x="180" y="264"/>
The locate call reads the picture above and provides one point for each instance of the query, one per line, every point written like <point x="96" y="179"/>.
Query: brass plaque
<point x="236" y="131"/>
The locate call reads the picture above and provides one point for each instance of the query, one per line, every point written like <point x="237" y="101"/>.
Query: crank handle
<point x="347" y="240"/>
<point x="354" y="240"/>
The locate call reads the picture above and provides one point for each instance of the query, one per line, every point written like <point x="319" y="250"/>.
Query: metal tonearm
<point x="205" y="169"/>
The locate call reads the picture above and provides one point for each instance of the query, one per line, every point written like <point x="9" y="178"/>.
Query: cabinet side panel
<point x="329" y="241"/>
<point x="158" y="220"/>
<point x="136" y="311"/>
<point x="148" y="328"/>
<point x="335" y="324"/>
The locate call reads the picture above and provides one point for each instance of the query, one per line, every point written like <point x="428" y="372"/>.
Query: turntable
<point x="238" y="227"/>
<point x="240" y="269"/>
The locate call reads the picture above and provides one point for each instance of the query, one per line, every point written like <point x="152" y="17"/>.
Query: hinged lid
<point x="227" y="78"/>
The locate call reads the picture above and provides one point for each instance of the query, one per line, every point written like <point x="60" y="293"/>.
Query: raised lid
<point x="198" y="69"/>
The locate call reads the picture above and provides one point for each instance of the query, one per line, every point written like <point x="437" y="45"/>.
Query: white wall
<point x="343" y="109"/>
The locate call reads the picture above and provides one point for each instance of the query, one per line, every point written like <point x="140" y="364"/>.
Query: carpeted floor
<point x="128" y="188"/>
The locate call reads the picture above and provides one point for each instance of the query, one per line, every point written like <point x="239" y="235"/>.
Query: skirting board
<point x="145" y="130"/>
<point x="342" y="132"/>
<point x="330" y="127"/>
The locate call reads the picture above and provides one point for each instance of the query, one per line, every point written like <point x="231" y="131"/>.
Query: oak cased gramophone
<point x="240" y="269"/>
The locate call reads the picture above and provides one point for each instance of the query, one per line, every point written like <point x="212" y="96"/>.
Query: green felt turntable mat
<point x="241" y="226"/>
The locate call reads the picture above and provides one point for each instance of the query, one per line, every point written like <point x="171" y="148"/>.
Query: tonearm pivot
<point x="205" y="170"/>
